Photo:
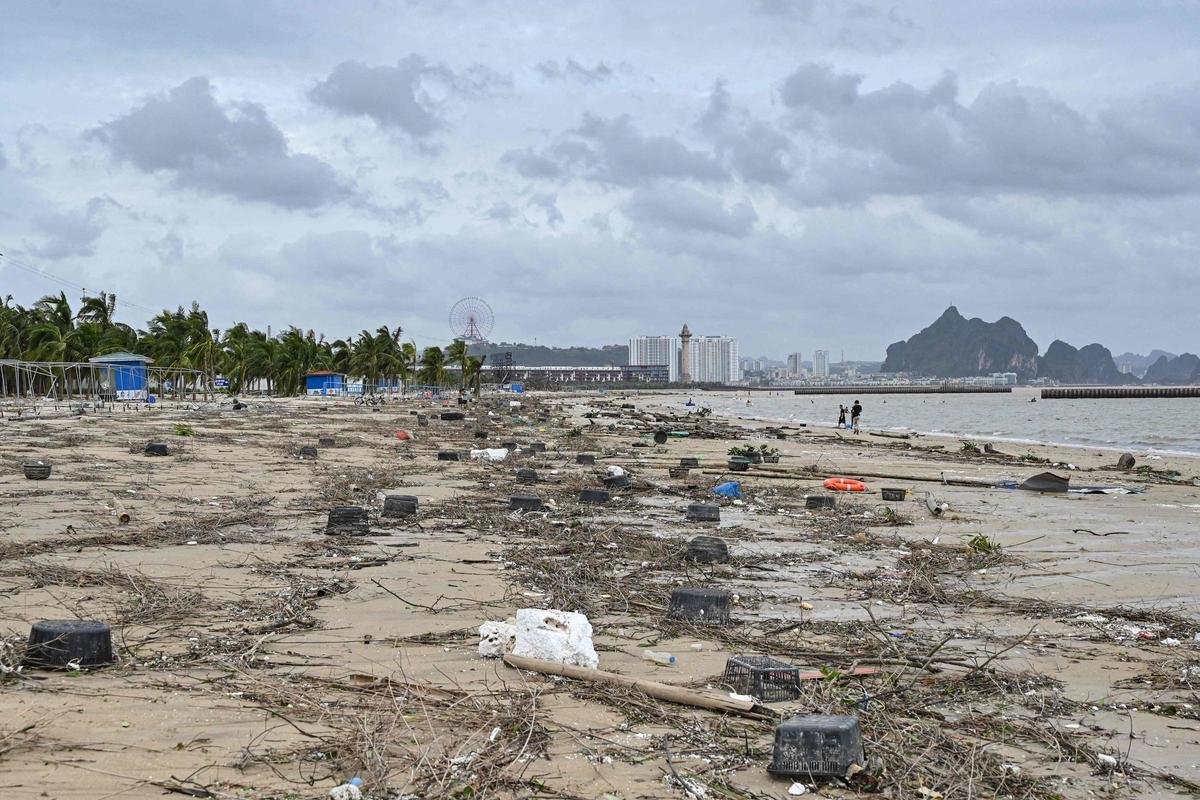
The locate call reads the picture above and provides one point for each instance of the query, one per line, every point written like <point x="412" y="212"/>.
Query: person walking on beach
<point x="841" y="416"/>
<point x="855" y="413"/>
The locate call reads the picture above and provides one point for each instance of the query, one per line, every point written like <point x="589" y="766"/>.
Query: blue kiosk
<point x="325" y="383"/>
<point x="125" y="374"/>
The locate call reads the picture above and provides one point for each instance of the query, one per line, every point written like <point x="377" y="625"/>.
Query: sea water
<point x="1145" y="425"/>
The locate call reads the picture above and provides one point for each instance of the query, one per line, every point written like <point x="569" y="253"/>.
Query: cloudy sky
<point x="816" y="173"/>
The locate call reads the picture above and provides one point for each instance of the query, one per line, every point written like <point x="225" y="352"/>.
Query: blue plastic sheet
<point x="728" y="489"/>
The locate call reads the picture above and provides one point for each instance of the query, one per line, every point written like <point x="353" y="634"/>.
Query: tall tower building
<point x="821" y="363"/>
<point x="795" y="364"/>
<point x="685" y="355"/>
<point x="656" y="351"/>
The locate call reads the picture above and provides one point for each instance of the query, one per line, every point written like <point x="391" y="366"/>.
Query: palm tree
<point x="433" y="366"/>
<point x="99" y="310"/>
<point x="456" y="355"/>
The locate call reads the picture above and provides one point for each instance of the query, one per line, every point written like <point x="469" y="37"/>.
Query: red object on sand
<point x="403" y="435"/>
<point x="845" y="485"/>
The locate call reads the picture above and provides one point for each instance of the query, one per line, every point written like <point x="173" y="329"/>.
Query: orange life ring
<point x="845" y="485"/>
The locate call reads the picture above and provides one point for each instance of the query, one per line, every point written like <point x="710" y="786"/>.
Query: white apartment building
<point x="652" y="351"/>
<point x="715" y="360"/>
<point x="795" y="364"/>
<point x="821" y="363"/>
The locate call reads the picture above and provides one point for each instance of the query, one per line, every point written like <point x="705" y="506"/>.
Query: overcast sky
<point x="813" y="174"/>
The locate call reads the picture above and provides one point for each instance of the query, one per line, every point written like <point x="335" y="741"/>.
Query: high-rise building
<point x="716" y="360"/>
<point x="821" y="363"/>
<point x="656" y="351"/>
<point x="795" y="364"/>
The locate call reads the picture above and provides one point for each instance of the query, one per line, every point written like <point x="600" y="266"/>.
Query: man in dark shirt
<point x="855" y="413"/>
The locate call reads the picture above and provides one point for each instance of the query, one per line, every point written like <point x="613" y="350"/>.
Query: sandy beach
<point x="1023" y="644"/>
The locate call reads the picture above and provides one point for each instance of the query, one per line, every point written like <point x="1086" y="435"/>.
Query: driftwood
<point x="660" y="691"/>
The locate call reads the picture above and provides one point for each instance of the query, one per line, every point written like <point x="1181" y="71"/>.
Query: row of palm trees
<point x="50" y="330"/>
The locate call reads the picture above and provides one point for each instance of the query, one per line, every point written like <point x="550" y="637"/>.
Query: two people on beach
<point x="855" y="412"/>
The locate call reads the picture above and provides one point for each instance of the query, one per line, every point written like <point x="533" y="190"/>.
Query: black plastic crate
<point x="700" y="605"/>
<point x="308" y="451"/>
<point x="587" y="459"/>
<point x="689" y="461"/>
<point x="452" y="416"/>
<point x="348" y="521"/>
<point x="326" y="441"/>
<point x="157" y="449"/>
<point x="617" y="481"/>
<point x="739" y="464"/>
<point x="893" y="495"/>
<point x="509" y="445"/>
<point x="449" y="455"/>
<point x="678" y="472"/>
<point x="820" y="501"/>
<point x="537" y="447"/>
<point x="817" y="745"/>
<point x="527" y="475"/>
<point x="768" y="679"/>
<point x="703" y="512"/>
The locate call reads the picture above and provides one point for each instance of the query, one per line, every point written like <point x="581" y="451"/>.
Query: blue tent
<point x="126" y="374"/>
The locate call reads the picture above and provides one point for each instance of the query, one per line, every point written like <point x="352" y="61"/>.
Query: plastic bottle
<point x="666" y="659"/>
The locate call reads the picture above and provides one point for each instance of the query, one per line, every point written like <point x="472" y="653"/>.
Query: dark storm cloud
<point x="402" y="97"/>
<point x="754" y="149"/>
<point x="683" y="209"/>
<point x="614" y="151"/>
<point x="1010" y="137"/>
<point x="572" y="69"/>
<point x="70" y="233"/>
<point x="233" y="150"/>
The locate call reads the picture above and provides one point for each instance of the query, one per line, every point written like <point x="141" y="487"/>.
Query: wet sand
<point x="260" y="657"/>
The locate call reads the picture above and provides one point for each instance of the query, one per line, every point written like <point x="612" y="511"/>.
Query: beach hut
<point x="124" y="374"/>
<point x="325" y="383"/>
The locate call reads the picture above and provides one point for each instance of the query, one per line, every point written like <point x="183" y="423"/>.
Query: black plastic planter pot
<point x="689" y="461"/>
<point x="449" y="455"/>
<point x="816" y="502"/>
<point x="525" y="502"/>
<point x="451" y="416"/>
<point x="69" y="643"/>
<point x="894" y="495"/>
<point x="660" y="437"/>
<point x="510" y="446"/>
<point x="587" y="459"/>
<point x="703" y="512"/>
<point x="526" y="475"/>
<point x="400" y="505"/>
<point x="37" y="471"/>
<point x="678" y="472"/>
<point x="156" y="449"/>
<point x="308" y="452"/>
<point x="326" y="441"/>
<point x="739" y="464"/>
<point x="593" y="496"/>
<point x="537" y="447"/>
<point x="707" y="550"/>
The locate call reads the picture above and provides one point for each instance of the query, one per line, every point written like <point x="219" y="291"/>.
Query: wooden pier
<point x="1117" y="392"/>
<point x="933" y="388"/>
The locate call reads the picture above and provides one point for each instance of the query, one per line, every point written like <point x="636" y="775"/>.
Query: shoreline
<point x="1142" y="451"/>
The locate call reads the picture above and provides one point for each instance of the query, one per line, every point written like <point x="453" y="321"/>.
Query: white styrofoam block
<point x="495" y="638"/>
<point x="561" y="636"/>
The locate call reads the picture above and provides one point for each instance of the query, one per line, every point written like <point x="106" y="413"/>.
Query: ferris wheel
<point x="471" y="319"/>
